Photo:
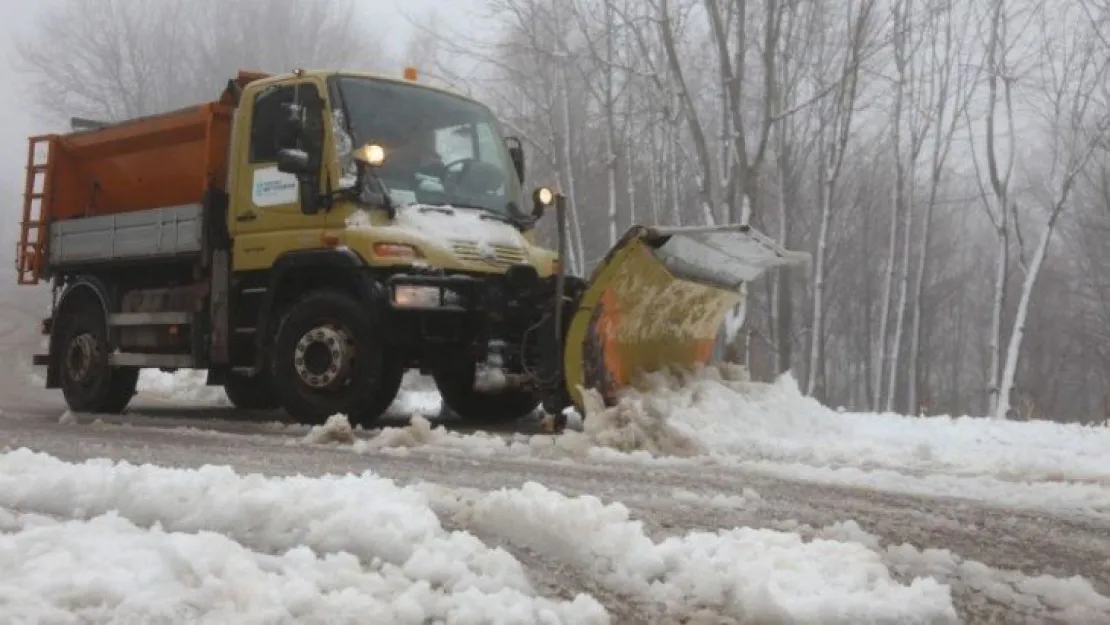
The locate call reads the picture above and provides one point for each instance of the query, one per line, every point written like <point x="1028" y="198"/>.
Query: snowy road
<point x="694" y="540"/>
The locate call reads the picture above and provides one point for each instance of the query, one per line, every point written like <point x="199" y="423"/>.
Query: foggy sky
<point x="389" y="16"/>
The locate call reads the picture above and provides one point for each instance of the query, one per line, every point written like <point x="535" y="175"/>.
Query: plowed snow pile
<point x="103" y="542"/>
<point x="185" y="385"/>
<point x="775" y="426"/>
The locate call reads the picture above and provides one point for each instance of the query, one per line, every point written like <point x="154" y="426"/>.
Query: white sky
<point x="16" y="123"/>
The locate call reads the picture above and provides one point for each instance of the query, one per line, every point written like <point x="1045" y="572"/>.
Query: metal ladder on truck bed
<point x="36" y="206"/>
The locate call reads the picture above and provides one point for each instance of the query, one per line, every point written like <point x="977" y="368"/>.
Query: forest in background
<point x="944" y="161"/>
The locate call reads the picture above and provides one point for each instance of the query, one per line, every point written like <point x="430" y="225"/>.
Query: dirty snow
<point x="155" y="543"/>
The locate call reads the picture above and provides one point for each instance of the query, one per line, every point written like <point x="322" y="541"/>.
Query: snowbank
<point x="108" y="570"/>
<point x="775" y="427"/>
<point x="390" y="560"/>
<point x="147" y="543"/>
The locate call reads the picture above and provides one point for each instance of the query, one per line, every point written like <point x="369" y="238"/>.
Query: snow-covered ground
<point x="417" y="396"/>
<point x="718" y="416"/>
<point x="152" y="544"/>
<point x="161" y="544"/>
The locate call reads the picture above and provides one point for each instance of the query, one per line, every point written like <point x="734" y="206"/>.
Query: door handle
<point x="247" y="217"/>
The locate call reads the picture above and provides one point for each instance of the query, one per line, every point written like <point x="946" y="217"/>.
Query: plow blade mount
<point x="659" y="299"/>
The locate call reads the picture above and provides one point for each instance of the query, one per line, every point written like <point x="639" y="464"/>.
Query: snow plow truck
<point x="307" y="238"/>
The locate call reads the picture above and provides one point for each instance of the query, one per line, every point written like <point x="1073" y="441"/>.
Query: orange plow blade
<point x="659" y="299"/>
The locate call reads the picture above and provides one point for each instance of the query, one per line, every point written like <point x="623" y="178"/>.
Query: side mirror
<point x="516" y="153"/>
<point x="294" y="161"/>
<point x="541" y="199"/>
<point x="299" y="163"/>
<point x="292" y="125"/>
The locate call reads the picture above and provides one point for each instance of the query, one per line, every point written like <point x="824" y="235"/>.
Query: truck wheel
<point x="392" y="376"/>
<point x="251" y="393"/>
<point x="327" y="359"/>
<point x="456" y="387"/>
<point x="89" y="384"/>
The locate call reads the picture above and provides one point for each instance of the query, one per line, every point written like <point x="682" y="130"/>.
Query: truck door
<point x="266" y="218"/>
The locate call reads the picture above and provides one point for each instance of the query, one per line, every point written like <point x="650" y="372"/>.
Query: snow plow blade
<point x="658" y="300"/>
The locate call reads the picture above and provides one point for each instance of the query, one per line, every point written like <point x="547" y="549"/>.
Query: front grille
<point x="503" y="255"/>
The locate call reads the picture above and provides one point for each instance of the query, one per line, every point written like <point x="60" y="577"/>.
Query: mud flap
<point x="659" y="299"/>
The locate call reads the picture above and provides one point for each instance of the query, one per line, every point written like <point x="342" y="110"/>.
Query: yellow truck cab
<point x="407" y="195"/>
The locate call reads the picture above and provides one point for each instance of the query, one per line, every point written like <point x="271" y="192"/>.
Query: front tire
<point x="391" y="378"/>
<point x="456" y="386"/>
<point x="328" y="359"/>
<point x="89" y="383"/>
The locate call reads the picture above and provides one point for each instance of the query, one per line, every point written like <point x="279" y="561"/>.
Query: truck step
<point x="150" y="319"/>
<point x="166" y="361"/>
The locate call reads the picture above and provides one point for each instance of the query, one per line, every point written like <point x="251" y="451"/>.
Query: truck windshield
<point x="440" y="149"/>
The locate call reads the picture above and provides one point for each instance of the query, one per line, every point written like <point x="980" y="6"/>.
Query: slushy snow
<point x="98" y="541"/>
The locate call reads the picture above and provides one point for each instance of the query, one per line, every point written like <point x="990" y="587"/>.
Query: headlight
<point x="416" y="296"/>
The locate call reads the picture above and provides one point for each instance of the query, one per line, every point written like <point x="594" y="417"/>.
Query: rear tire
<point x="88" y="383"/>
<point x="327" y="359"/>
<point x="251" y="393"/>
<point x="456" y="386"/>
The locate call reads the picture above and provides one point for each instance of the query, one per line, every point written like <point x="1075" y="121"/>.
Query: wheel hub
<point x="323" y="356"/>
<point x="81" y="357"/>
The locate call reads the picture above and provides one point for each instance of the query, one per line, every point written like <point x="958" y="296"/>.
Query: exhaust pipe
<point x="561" y="271"/>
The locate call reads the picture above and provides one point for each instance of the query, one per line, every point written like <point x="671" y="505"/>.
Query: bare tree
<point x="1073" y="67"/>
<point x="996" y="194"/>
<point x="950" y="94"/>
<point x="836" y="133"/>
<point x="117" y="59"/>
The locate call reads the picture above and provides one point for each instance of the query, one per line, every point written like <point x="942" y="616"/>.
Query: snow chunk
<point x="337" y="429"/>
<point x="634" y="425"/>
<point x="390" y="561"/>
<point x="417" y="433"/>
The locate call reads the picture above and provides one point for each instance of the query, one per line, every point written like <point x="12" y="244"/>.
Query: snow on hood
<point x="433" y="223"/>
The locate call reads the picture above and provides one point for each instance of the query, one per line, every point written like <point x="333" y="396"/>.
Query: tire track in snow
<point x="982" y="593"/>
<point x="554" y="578"/>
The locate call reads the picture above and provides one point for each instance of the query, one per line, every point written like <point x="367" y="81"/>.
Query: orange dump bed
<point x="152" y="162"/>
